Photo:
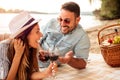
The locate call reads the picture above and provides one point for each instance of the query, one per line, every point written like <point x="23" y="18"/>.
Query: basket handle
<point x="105" y="27"/>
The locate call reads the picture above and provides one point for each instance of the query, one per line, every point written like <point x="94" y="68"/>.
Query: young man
<point x="67" y="35"/>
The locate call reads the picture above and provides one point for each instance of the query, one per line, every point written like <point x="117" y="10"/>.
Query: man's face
<point x="68" y="21"/>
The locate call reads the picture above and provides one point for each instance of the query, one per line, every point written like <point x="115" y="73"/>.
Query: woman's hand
<point x="19" y="47"/>
<point x="51" y="68"/>
<point x="45" y="73"/>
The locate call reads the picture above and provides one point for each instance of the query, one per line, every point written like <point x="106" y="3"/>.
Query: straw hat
<point x="20" y="23"/>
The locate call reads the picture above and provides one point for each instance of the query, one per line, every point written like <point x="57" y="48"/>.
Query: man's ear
<point x="78" y="19"/>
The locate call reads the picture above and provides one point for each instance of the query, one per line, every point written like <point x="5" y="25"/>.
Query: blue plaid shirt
<point x="77" y="40"/>
<point x="4" y="62"/>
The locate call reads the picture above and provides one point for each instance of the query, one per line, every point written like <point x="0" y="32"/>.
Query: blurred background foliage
<point x="110" y="9"/>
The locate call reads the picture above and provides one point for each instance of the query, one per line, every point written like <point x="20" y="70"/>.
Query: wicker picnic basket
<point x="110" y="53"/>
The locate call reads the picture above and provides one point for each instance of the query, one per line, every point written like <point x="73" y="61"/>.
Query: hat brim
<point x="24" y="28"/>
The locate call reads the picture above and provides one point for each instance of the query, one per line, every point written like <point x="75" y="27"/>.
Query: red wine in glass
<point x="46" y="58"/>
<point x="53" y="57"/>
<point x="53" y="54"/>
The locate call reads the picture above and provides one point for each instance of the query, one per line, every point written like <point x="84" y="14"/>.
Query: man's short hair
<point x="72" y="7"/>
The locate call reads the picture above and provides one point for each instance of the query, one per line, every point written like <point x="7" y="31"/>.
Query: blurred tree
<point x="2" y="10"/>
<point x="110" y="9"/>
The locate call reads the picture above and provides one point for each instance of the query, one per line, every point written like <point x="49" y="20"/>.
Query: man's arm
<point x="81" y="50"/>
<point x="77" y="63"/>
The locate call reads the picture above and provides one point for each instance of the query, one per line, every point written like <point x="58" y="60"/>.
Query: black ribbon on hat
<point x="31" y="20"/>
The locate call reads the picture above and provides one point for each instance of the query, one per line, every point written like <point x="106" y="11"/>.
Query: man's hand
<point x="43" y="55"/>
<point x="68" y="56"/>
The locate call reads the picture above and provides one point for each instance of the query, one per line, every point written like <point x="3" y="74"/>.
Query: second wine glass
<point x="53" y="55"/>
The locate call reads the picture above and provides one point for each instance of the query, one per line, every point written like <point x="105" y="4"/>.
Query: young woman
<point x="19" y="52"/>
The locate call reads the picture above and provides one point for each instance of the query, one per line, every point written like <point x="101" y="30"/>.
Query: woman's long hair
<point x="28" y="62"/>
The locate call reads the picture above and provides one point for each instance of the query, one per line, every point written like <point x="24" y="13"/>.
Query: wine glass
<point x="53" y="56"/>
<point x="44" y="58"/>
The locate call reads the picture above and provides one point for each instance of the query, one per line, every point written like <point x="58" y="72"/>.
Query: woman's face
<point x="34" y="36"/>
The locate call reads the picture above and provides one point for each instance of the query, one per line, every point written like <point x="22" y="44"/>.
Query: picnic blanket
<point x="96" y="69"/>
